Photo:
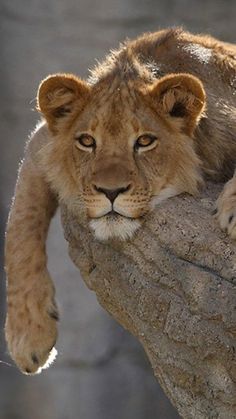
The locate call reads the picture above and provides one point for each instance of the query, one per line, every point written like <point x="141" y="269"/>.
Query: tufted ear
<point x="58" y="95"/>
<point x="181" y="97"/>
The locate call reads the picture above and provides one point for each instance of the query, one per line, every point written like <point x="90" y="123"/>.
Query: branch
<point x="174" y="288"/>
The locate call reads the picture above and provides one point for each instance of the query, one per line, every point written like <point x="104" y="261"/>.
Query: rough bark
<point x="174" y="288"/>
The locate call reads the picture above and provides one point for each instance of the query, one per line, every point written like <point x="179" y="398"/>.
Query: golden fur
<point x="154" y="120"/>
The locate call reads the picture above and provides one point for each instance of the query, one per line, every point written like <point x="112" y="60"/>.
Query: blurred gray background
<point x="101" y="372"/>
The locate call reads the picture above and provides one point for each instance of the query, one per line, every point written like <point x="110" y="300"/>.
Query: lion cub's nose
<point x="111" y="194"/>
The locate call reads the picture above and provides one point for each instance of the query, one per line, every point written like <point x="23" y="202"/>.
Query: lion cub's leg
<point x="31" y="317"/>
<point x="226" y="207"/>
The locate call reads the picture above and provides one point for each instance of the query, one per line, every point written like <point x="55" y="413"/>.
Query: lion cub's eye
<point x="145" y="140"/>
<point x="86" y="141"/>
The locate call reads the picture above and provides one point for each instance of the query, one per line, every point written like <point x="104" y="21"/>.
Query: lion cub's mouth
<point x="113" y="225"/>
<point x="113" y="215"/>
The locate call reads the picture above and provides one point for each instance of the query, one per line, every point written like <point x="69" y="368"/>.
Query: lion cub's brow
<point x="115" y="114"/>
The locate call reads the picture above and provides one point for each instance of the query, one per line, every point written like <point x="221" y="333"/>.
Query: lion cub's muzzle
<point x="111" y="195"/>
<point x="113" y="203"/>
<point x="111" y="215"/>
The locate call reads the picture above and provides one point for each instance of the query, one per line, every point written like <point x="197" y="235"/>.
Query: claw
<point x="54" y="314"/>
<point x="34" y="359"/>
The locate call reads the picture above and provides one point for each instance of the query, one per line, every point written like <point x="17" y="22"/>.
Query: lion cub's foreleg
<point x="31" y="316"/>
<point x="226" y="208"/>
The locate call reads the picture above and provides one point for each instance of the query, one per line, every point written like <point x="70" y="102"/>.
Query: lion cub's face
<point x="125" y="147"/>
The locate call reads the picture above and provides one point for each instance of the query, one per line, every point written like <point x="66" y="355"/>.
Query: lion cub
<point x="152" y="121"/>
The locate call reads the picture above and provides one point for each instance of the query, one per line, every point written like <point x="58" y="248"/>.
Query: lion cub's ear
<point x="60" y="94"/>
<point x="181" y="96"/>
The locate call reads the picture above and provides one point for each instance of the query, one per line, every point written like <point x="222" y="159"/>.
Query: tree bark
<point x="174" y="287"/>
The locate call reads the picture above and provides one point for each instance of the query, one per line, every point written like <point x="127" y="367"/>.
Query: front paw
<point x="31" y="330"/>
<point x="226" y="208"/>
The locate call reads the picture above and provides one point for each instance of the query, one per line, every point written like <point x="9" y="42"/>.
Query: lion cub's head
<point x="121" y="146"/>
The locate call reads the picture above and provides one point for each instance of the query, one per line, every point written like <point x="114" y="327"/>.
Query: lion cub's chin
<point x="114" y="227"/>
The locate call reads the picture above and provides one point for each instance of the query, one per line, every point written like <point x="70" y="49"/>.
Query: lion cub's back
<point x="176" y="51"/>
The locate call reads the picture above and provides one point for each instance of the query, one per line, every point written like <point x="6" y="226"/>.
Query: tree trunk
<point x="174" y="288"/>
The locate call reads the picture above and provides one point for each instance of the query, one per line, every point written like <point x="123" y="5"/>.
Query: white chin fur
<point x="120" y="228"/>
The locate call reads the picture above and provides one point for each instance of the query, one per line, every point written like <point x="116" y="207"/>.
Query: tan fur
<point x="176" y="87"/>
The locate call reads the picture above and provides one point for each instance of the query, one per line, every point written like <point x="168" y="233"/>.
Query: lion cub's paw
<point x="31" y="330"/>
<point x="226" y="208"/>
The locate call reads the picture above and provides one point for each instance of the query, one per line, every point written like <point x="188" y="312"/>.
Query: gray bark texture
<point x="173" y="287"/>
